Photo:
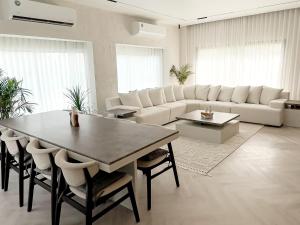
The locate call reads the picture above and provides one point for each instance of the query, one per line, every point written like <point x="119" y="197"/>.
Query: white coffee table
<point x="217" y="130"/>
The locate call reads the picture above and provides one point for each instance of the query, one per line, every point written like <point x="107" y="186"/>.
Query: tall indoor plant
<point x="13" y="98"/>
<point x="77" y="97"/>
<point x="182" y="73"/>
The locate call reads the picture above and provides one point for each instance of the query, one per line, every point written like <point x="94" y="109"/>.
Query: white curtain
<point x="48" y="68"/>
<point x="139" y="67"/>
<point x="252" y="64"/>
<point x="262" y="49"/>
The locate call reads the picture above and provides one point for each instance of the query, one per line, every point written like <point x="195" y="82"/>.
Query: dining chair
<point x="153" y="160"/>
<point x="16" y="158"/>
<point x="84" y="180"/>
<point x="2" y="157"/>
<point x="43" y="171"/>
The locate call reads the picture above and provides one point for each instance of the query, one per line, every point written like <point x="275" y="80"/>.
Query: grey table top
<point x="102" y="139"/>
<point x="219" y="118"/>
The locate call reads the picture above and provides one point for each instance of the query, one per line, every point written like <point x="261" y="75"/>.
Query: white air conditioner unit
<point x="148" y="30"/>
<point x="38" y="12"/>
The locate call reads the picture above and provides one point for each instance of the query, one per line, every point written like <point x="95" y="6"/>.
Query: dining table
<point x="114" y="143"/>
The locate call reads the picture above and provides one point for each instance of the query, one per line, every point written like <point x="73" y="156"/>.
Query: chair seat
<point x="152" y="158"/>
<point x="103" y="184"/>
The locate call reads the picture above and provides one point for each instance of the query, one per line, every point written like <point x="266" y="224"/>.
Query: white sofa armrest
<point x="277" y="103"/>
<point x="134" y="108"/>
<point x="111" y="102"/>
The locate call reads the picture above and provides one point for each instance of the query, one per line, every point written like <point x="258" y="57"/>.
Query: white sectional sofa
<point x="261" y="104"/>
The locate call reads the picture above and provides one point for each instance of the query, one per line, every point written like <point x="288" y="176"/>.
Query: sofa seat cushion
<point x="192" y="104"/>
<point x="176" y="109"/>
<point x="263" y="114"/>
<point x="217" y="106"/>
<point x="154" y="115"/>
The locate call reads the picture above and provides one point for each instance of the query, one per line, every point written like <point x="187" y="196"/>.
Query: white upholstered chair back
<point x="74" y="172"/>
<point x="40" y="154"/>
<point x="10" y="139"/>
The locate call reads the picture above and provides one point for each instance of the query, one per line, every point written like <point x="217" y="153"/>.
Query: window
<point x="47" y="68"/>
<point x="253" y="64"/>
<point x="139" y="67"/>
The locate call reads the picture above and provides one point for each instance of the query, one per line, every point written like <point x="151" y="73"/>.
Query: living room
<point x="173" y="112"/>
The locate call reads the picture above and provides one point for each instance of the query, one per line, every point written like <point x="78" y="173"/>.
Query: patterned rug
<point x="201" y="157"/>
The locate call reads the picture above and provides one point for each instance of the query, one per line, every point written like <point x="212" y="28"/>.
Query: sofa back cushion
<point x="202" y="92"/>
<point x="178" y="92"/>
<point x="240" y="94"/>
<point x="169" y="93"/>
<point x="284" y="95"/>
<point x="131" y="99"/>
<point x="213" y="93"/>
<point x="157" y="96"/>
<point x="225" y="94"/>
<point x="189" y="92"/>
<point x="145" y="98"/>
<point x="268" y="94"/>
<point x="254" y="94"/>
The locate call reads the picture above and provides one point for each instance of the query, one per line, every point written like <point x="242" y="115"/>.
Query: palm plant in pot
<point x="13" y="98"/>
<point x="182" y="73"/>
<point x="77" y="97"/>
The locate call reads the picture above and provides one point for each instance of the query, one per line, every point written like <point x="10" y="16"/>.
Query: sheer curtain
<point x="252" y="64"/>
<point x="252" y="48"/>
<point x="139" y="67"/>
<point x="48" y="68"/>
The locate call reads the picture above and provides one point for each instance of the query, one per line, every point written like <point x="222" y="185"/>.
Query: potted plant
<point x="13" y="98"/>
<point x="182" y="73"/>
<point x="77" y="98"/>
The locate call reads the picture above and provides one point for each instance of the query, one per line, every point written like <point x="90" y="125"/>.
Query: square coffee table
<point x="218" y="129"/>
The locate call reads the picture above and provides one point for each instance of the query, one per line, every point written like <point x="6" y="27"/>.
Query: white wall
<point x="104" y="29"/>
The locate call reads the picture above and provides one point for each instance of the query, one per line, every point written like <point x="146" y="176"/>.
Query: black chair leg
<point x="53" y="194"/>
<point x="2" y="164"/>
<point x="148" y="174"/>
<point x="60" y="190"/>
<point x="21" y="178"/>
<point x="31" y="186"/>
<point x="7" y="170"/>
<point x="173" y="164"/>
<point x="133" y="202"/>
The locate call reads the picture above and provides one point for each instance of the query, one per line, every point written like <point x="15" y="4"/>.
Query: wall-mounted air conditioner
<point x="38" y="12"/>
<point x="148" y="30"/>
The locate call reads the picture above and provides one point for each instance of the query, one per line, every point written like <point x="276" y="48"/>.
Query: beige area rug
<point x="201" y="157"/>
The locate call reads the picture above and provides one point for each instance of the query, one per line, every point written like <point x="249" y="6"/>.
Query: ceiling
<point x="186" y="12"/>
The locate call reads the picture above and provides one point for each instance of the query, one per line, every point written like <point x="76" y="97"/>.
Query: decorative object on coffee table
<point x="207" y="114"/>
<point x="218" y="129"/>
<point x="292" y="113"/>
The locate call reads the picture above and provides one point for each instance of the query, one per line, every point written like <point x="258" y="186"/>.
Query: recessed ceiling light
<point x="202" y="18"/>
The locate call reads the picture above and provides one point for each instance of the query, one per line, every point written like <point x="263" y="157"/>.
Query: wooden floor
<point x="259" y="184"/>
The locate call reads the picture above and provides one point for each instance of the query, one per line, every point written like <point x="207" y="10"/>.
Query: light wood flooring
<point x="259" y="184"/>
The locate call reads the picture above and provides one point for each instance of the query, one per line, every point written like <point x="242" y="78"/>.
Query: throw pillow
<point x="131" y="99"/>
<point x="189" y="92"/>
<point x="214" y="93"/>
<point x="145" y="98"/>
<point x="240" y="94"/>
<point x="169" y="93"/>
<point x="202" y="92"/>
<point x="225" y="94"/>
<point x="254" y="94"/>
<point x="178" y="92"/>
<point x="156" y="96"/>
<point x="268" y="94"/>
